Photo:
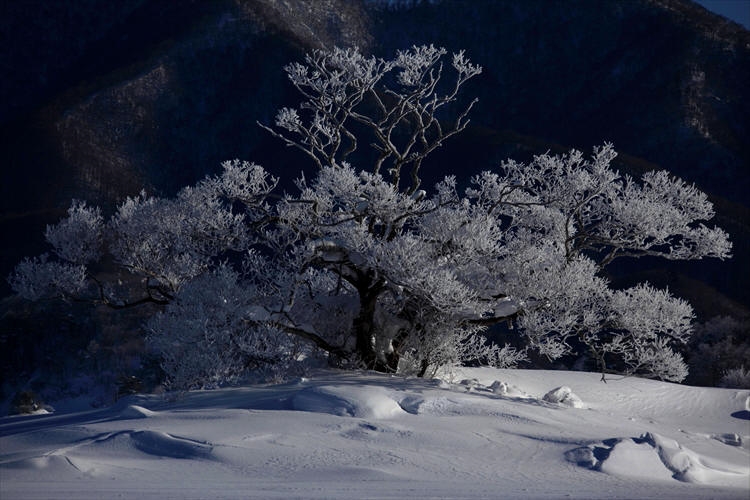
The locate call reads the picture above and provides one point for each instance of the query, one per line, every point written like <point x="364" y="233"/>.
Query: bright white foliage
<point x="206" y="341"/>
<point x="78" y="237"/>
<point x="366" y="270"/>
<point x="173" y="241"/>
<point x="392" y="105"/>
<point x="38" y="278"/>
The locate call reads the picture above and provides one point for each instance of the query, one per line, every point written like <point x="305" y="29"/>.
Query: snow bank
<point x="635" y="458"/>
<point x="509" y="390"/>
<point x="492" y="436"/>
<point x="163" y="444"/>
<point x="658" y="458"/>
<point x="135" y="411"/>
<point x="692" y="467"/>
<point x="347" y="400"/>
<point x="564" y="396"/>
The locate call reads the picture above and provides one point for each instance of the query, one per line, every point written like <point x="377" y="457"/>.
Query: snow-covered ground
<point x="484" y="433"/>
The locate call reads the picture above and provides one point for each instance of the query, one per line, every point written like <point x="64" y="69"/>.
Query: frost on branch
<point x="206" y="339"/>
<point x="398" y="103"/>
<point x="288" y="119"/>
<point x="414" y="64"/>
<point x="645" y="323"/>
<point x="173" y="241"/>
<point x="161" y="243"/>
<point x="38" y="278"/>
<point x="606" y="215"/>
<point x="78" y="238"/>
<point x="76" y="241"/>
<point x="245" y="182"/>
<point x="464" y="66"/>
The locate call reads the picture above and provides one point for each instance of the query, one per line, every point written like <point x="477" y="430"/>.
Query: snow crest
<point x="353" y="401"/>
<point x="564" y="395"/>
<point x="658" y="458"/>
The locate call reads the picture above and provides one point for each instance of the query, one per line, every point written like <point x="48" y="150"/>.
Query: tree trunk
<point x="393" y="357"/>
<point x="364" y="326"/>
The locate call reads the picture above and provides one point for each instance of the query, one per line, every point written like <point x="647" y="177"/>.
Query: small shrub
<point x="25" y="402"/>
<point x="736" y="378"/>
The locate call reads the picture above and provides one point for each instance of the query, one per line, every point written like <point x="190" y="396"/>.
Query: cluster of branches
<point x="397" y="101"/>
<point x="366" y="269"/>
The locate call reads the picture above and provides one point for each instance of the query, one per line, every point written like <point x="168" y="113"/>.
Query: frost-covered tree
<point x="206" y="339"/>
<point x="364" y="266"/>
<point x="397" y="102"/>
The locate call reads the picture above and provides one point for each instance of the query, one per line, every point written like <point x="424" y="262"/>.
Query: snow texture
<point x="481" y="433"/>
<point x="564" y="395"/>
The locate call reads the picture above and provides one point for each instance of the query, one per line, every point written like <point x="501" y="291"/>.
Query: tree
<point x="366" y="267"/>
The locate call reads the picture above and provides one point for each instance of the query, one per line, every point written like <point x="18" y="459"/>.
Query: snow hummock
<point x="563" y="395"/>
<point x="481" y="433"/>
<point x="505" y="389"/>
<point x="353" y="400"/>
<point x="656" y="457"/>
<point x="135" y="411"/>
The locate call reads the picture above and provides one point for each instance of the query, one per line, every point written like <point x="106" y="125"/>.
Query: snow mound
<point x="730" y="438"/>
<point x="163" y="444"/>
<point x="470" y="384"/>
<point x="99" y="455"/>
<point x="135" y="411"/>
<point x="496" y="387"/>
<point x="353" y="401"/>
<point x="657" y="458"/>
<point x="460" y="405"/>
<point x="694" y="468"/>
<point x="508" y="390"/>
<point x="421" y="439"/>
<point x="635" y="458"/>
<point x="565" y="396"/>
<point x="436" y="406"/>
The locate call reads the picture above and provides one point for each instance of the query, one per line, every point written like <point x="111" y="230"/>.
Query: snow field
<point x="483" y="433"/>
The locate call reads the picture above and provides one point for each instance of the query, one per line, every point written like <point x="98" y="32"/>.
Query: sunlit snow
<point x="480" y="433"/>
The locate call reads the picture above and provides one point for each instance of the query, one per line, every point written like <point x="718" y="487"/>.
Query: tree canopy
<point x="365" y="267"/>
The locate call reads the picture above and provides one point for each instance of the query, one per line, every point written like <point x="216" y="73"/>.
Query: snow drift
<point x="482" y="433"/>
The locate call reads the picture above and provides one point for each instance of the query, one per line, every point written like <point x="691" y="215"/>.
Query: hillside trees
<point x="367" y="267"/>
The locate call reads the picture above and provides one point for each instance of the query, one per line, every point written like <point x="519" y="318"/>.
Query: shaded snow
<point x="484" y="433"/>
<point x="135" y="411"/>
